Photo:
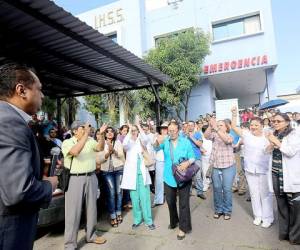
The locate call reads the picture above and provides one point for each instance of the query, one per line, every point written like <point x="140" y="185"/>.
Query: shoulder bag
<point x="64" y="177"/>
<point x="182" y="176"/>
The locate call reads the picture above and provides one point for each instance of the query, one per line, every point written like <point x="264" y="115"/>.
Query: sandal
<point x="119" y="219"/>
<point x="98" y="240"/>
<point x="217" y="215"/>
<point x="114" y="222"/>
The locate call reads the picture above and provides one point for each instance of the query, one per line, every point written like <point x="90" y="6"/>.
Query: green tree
<point x="96" y="105"/>
<point x="49" y="105"/>
<point x="181" y="57"/>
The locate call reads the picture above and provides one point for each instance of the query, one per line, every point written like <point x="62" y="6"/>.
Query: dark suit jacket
<point x="21" y="190"/>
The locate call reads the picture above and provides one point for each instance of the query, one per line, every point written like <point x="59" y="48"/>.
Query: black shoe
<point x="156" y="205"/>
<point x="180" y="237"/>
<point x="202" y="196"/>
<point x="172" y="227"/>
<point x="248" y="199"/>
<point x="151" y="227"/>
<point x="135" y="226"/>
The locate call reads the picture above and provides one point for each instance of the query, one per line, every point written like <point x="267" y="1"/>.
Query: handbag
<point x="186" y="175"/>
<point x="148" y="159"/>
<point x="64" y="177"/>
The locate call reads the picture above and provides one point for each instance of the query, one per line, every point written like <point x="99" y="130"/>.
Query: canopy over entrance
<point x="71" y="58"/>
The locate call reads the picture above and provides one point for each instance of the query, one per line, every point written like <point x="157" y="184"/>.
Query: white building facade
<point x="254" y="44"/>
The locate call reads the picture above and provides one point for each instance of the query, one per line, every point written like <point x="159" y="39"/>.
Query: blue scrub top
<point x="197" y="151"/>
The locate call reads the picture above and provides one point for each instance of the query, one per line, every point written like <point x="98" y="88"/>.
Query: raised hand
<point x="234" y="110"/>
<point x="87" y="128"/>
<point x="213" y="123"/>
<point x="103" y="128"/>
<point x="137" y="120"/>
<point x="160" y="138"/>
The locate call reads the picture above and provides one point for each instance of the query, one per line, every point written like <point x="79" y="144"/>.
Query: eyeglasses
<point x="109" y="131"/>
<point x="134" y="130"/>
<point x="278" y="121"/>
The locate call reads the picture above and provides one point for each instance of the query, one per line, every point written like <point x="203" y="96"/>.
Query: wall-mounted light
<point x="174" y="3"/>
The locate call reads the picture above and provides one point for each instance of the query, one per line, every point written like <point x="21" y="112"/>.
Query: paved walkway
<point x="208" y="234"/>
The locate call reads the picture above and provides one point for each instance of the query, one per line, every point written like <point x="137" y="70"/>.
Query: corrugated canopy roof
<point x="71" y="58"/>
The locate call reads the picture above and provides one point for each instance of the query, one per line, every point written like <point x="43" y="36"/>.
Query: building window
<point x="160" y="38"/>
<point x="237" y="27"/>
<point x="113" y="37"/>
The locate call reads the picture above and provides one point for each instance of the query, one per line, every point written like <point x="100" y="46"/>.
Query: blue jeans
<point x="159" y="182"/>
<point x="222" y="179"/>
<point x="199" y="178"/>
<point x="114" y="192"/>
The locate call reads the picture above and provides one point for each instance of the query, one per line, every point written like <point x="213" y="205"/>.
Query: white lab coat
<point x="133" y="149"/>
<point x="290" y="149"/>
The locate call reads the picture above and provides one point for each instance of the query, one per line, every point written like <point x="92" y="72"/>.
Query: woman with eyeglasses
<point x="136" y="177"/>
<point x="285" y="147"/>
<point x="222" y="161"/>
<point x="112" y="161"/>
<point x="256" y="165"/>
<point x="177" y="150"/>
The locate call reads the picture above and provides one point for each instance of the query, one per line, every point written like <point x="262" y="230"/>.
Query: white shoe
<point x="266" y="224"/>
<point x="257" y="221"/>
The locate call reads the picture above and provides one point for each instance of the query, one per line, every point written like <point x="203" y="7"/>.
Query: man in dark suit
<point x="22" y="192"/>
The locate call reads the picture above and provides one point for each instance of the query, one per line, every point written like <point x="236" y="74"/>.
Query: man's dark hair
<point x="10" y="75"/>
<point x="175" y="123"/>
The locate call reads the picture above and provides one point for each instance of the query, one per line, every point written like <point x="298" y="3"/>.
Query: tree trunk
<point x="97" y="120"/>
<point x="186" y="103"/>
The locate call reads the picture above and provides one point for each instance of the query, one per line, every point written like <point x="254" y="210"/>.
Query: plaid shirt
<point x="222" y="155"/>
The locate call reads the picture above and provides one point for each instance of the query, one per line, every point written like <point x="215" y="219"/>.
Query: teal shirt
<point x="183" y="149"/>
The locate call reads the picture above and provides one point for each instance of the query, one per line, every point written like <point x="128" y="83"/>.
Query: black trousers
<point x="184" y="217"/>
<point x="17" y="231"/>
<point x="288" y="214"/>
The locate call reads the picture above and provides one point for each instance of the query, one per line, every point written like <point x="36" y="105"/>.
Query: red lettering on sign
<point x="205" y="69"/>
<point x="220" y="67"/>
<point x="258" y="60"/>
<point x="240" y="63"/>
<point x="246" y="62"/>
<point x="213" y="68"/>
<point x="233" y="65"/>
<point x="264" y="59"/>
<point x="226" y="66"/>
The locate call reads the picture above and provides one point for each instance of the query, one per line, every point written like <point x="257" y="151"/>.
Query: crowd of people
<point x="250" y="158"/>
<point x="262" y="153"/>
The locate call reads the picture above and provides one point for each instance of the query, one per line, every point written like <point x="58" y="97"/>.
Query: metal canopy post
<point x="58" y="107"/>
<point x="157" y="101"/>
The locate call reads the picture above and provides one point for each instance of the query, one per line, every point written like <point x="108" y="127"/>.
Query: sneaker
<point x="151" y="227"/>
<point x="202" y="196"/>
<point x="266" y="224"/>
<point x="135" y="226"/>
<point x="257" y="221"/>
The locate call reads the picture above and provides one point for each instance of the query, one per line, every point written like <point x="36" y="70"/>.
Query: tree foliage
<point x="181" y="58"/>
<point x="96" y="105"/>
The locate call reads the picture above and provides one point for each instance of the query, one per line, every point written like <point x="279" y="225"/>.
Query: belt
<point x="83" y="174"/>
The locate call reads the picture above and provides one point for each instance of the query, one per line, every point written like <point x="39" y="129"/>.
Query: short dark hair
<point x="10" y="75"/>
<point x="258" y="119"/>
<point x="124" y="126"/>
<point x="174" y="123"/>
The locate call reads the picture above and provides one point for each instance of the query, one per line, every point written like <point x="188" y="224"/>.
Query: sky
<point x="78" y="6"/>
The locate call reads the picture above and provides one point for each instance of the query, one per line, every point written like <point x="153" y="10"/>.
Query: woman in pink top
<point x="223" y="167"/>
